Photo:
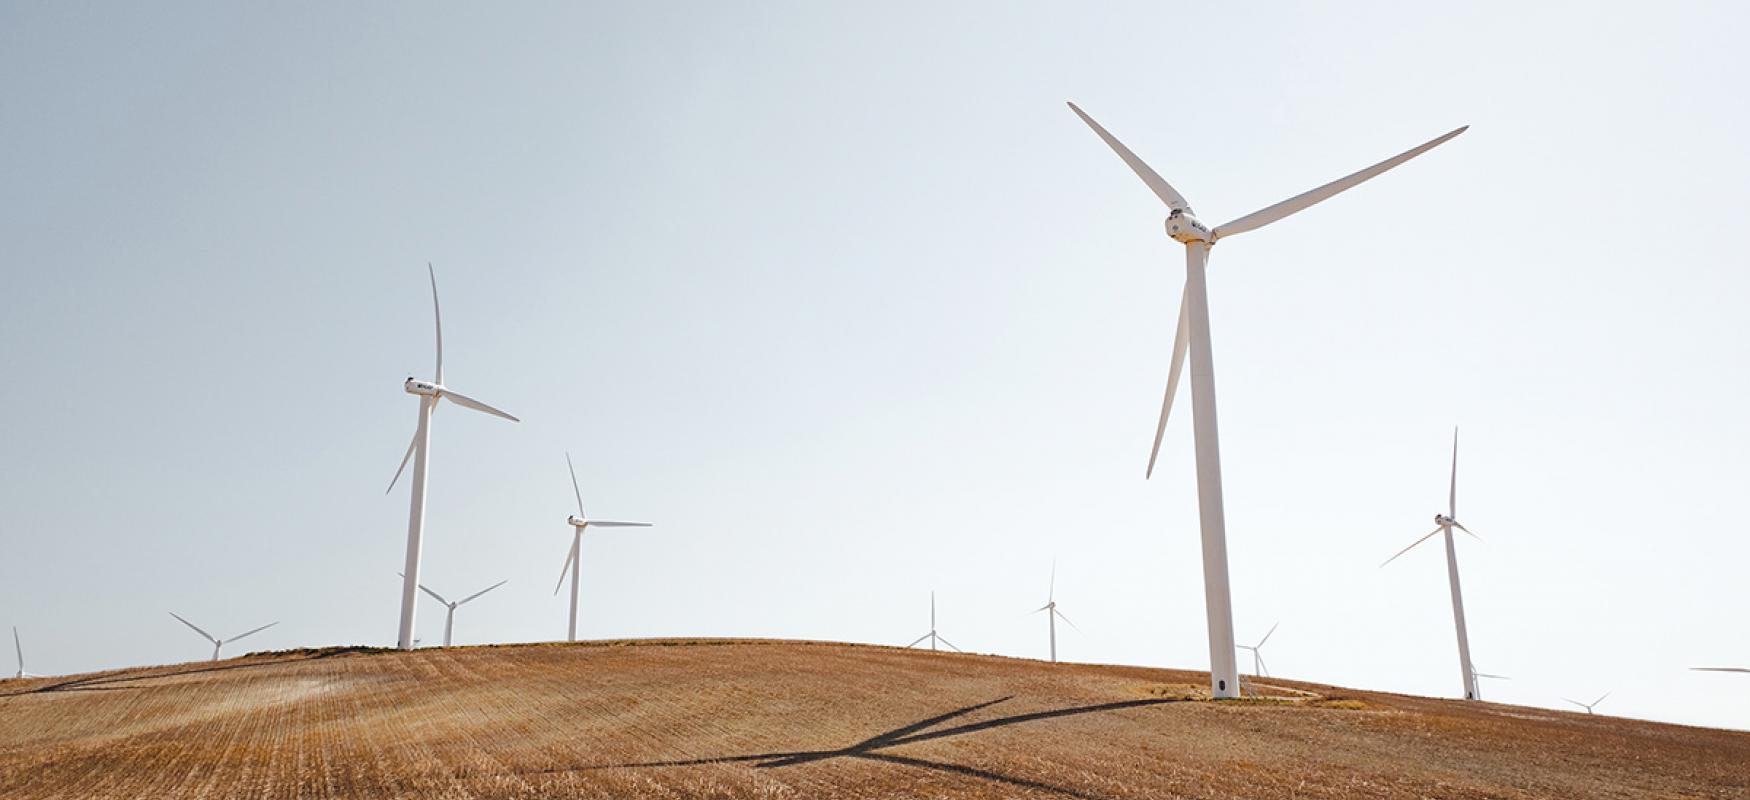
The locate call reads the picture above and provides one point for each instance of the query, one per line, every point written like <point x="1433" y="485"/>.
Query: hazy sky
<point x="850" y="305"/>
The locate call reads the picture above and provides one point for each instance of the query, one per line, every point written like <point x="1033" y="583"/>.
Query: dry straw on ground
<point x="746" y="719"/>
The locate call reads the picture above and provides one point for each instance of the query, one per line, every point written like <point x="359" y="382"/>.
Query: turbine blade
<point x="1452" y="494"/>
<point x="1576" y="702"/>
<point x="1051" y="590"/>
<point x="1487" y="675"/>
<point x="1181" y="340"/>
<point x="437" y="317"/>
<point x="204" y="634"/>
<point x="1601" y="697"/>
<point x="1268" y="635"/>
<point x="950" y="644"/>
<point x="1719" y="669"/>
<point x="1045" y="607"/>
<point x="252" y="632"/>
<point x="574" y="489"/>
<point x="468" y="402"/>
<point x="1305" y="200"/>
<point x="1066" y="621"/>
<point x="435" y="595"/>
<point x="19" y="648"/>
<point x="919" y="639"/>
<point x="482" y="591"/>
<point x="411" y="444"/>
<point x="605" y="523"/>
<point x="1411" y="547"/>
<point x="1466" y="530"/>
<point x="562" y="570"/>
<point x="1156" y="183"/>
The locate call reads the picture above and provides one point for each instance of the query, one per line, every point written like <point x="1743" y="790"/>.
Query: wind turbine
<point x="450" y="617"/>
<point x="429" y="393"/>
<point x="1193" y="335"/>
<point x="1444" y="523"/>
<point x="218" y="643"/>
<point x="572" y="561"/>
<point x="19" y="648"/>
<point x="1050" y="606"/>
<point x="1588" y="706"/>
<point x="932" y="635"/>
<point x="1258" y="668"/>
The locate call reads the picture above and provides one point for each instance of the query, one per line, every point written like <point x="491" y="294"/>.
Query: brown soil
<point x="758" y="719"/>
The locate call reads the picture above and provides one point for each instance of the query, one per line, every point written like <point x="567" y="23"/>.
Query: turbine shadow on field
<point x="914" y="733"/>
<point x="100" y="684"/>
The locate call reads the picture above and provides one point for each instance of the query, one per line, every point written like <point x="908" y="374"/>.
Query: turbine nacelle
<point x="1444" y="521"/>
<point x="424" y="388"/>
<point x="1186" y="229"/>
<point x="577" y="521"/>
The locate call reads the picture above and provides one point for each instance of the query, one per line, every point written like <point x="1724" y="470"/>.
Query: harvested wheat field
<point x="734" y="719"/>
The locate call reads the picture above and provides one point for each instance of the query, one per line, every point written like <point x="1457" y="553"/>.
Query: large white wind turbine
<point x="1052" y="614"/>
<point x="1444" y="523"/>
<point x="1589" y="706"/>
<point x="218" y="643"/>
<point x="419" y="452"/>
<point x="932" y="635"/>
<point x="450" y="616"/>
<point x="1258" y="668"/>
<point x="1193" y="336"/>
<point x="19" y="649"/>
<point x="573" y="559"/>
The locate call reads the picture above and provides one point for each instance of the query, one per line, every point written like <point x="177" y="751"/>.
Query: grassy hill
<point x="769" y="719"/>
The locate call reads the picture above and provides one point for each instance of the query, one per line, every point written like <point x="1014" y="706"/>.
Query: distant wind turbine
<point x="1589" y="706"/>
<point x="578" y="522"/>
<point x="429" y="392"/>
<point x="19" y="649"/>
<point x="1193" y="336"/>
<point x="1050" y="606"/>
<point x="218" y="643"/>
<point x="1444" y="523"/>
<point x="1258" y="668"/>
<point x="450" y="617"/>
<point x="932" y="635"/>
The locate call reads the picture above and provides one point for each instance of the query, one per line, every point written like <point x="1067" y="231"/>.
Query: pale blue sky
<point x="851" y="306"/>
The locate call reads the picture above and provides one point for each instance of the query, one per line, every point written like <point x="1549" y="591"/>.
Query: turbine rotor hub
<point x="1185" y="228"/>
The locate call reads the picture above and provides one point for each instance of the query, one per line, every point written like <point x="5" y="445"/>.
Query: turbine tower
<point x="450" y="617"/>
<point x="1258" y="653"/>
<point x="1193" y="335"/>
<point x="1444" y="523"/>
<point x="1052" y="615"/>
<point x="19" y="649"/>
<point x="572" y="561"/>
<point x="1589" y="706"/>
<point x="932" y="635"/>
<point x="218" y="643"/>
<point x="419" y="452"/>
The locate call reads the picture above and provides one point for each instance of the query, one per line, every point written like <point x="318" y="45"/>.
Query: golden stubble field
<point x="762" y="719"/>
